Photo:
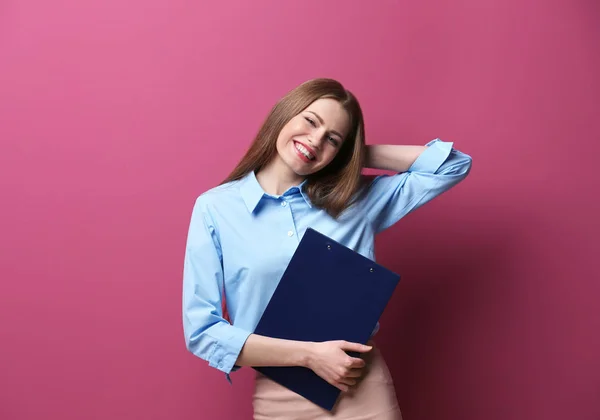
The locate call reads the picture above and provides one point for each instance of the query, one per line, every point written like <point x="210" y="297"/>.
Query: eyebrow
<point x="322" y="122"/>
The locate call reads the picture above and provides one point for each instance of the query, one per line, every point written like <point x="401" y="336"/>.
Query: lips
<point x="304" y="152"/>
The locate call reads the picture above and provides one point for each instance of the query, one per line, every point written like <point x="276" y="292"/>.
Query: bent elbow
<point x="466" y="166"/>
<point x="458" y="168"/>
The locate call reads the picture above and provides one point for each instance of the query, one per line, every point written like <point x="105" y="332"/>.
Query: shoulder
<point x="219" y="193"/>
<point x="370" y="183"/>
<point x="356" y="203"/>
<point x="218" y="200"/>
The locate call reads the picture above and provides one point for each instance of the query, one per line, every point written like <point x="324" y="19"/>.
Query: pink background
<point x="115" y="115"/>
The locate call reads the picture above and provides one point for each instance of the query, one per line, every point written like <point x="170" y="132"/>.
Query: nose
<point x="316" y="138"/>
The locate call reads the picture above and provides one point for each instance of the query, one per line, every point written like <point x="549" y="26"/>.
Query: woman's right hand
<point x="330" y="361"/>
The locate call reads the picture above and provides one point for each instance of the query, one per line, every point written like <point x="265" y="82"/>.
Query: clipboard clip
<point x="371" y="269"/>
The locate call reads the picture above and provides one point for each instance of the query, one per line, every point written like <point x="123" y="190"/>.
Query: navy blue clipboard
<point x="327" y="292"/>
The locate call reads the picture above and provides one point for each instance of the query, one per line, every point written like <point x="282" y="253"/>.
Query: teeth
<point x="304" y="151"/>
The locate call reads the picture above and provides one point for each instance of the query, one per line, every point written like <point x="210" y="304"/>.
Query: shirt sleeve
<point x="436" y="170"/>
<point x="207" y="334"/>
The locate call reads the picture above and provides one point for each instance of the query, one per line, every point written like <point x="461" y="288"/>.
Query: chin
<point x="302" y="171"/>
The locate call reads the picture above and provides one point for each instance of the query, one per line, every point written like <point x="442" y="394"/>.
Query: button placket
<point x="291" y="233"/>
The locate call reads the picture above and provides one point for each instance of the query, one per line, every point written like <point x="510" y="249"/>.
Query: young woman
<point x="302" y="170"/>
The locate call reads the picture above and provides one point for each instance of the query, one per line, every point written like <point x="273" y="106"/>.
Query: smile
<point x="304" y="151"/>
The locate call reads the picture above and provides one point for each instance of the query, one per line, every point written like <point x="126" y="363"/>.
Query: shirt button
<point x="284" y="203"/>
<point x="290" y="233"/>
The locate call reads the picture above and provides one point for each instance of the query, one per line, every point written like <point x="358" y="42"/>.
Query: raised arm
<point x="392" y="157"/>
<point x="423" y="173"/>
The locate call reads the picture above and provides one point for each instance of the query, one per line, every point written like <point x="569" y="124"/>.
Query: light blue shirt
<point x="241" y="239"/>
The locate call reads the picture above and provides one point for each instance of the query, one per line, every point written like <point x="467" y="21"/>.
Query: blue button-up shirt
<point x="241" y="239"/>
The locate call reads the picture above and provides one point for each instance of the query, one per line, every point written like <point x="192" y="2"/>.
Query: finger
<point x="348" y="381"/>
<point x="354" y="373"/>
<point x="361" y="348"/>
<point x="356" y="363"/>
<point x="342" y="387"/>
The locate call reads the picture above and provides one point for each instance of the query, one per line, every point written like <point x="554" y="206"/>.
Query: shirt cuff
<point x="433" y="157"/>
<point x="227" y="350"/>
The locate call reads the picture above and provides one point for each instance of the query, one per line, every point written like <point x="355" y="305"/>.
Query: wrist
<point x="305" y="353"/>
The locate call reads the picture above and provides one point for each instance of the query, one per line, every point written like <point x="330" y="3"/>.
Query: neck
<point x="276" y="178"/>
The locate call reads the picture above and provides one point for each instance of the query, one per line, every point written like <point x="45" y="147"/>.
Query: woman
<point x="302" y="170"/>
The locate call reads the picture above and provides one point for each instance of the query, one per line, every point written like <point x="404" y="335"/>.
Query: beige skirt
<point x="373" y="397"/>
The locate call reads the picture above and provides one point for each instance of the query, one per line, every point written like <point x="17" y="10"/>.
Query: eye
<point x="310" y="121"/>
<point x="333" y="141"/>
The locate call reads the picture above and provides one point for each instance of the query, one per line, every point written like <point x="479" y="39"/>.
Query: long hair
<point x="332" y="188"/>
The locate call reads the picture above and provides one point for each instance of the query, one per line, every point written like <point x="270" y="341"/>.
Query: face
<point x="310" y="140"/>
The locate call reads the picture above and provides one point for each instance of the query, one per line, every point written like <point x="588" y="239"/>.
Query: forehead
<point x="334" y="116"/>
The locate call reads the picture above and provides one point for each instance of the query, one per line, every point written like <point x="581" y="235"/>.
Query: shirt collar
<point x="252" y="192"/>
